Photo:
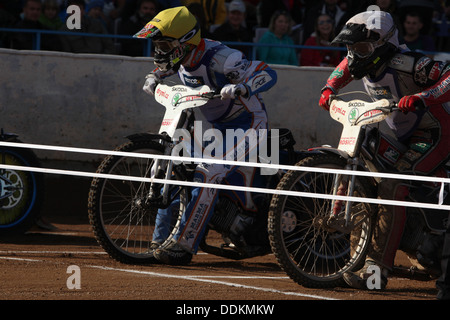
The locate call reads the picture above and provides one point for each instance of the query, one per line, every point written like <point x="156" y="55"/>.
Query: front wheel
<point x="21" y="192"/>
<point x="123" y="218"/>
<point x="313" y="253"/>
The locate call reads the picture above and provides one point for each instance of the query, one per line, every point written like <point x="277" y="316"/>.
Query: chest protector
<point x="207" y="72"/>
<point x="400" y="78"/>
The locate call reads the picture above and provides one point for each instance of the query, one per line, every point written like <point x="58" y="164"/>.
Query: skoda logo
<point x="175" y="99"/>
<point x="353" y="114"/>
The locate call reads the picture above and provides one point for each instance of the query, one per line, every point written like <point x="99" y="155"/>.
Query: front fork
<point x="344" y="185"/>
<point x="161" y="168"/>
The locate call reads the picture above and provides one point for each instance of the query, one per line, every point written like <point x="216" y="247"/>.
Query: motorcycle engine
<point x="230" y="221"/>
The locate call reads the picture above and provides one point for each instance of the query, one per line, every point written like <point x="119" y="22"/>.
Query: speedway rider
<point x="421" y="87"/>
<point x="179" y="47"/>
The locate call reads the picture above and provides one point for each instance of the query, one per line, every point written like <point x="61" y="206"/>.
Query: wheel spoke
<point x="312" y="252"/>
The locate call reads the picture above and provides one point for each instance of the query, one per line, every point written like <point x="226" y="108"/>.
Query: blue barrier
<point x="148" y="46"/>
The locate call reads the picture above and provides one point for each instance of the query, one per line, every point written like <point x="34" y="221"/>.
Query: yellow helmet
<point x="173" y="32"/>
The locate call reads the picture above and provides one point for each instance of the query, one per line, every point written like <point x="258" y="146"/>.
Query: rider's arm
<point x="153" y="78"/>
<point x="434" y="76"/>
<point x="256" y="76"/>
<point x="437" y="82"/>
<point x="438" y="93"/>
<point x="161" y="75"/>
<point x="338" y="79"/>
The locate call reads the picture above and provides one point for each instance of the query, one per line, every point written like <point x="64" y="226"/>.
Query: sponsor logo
<point x="350" y="141"/>
<point x="420" y="76"/>
<point x="435" y="71"/>
<point x="179" y="89"/>
<point x="353" y="114"/>
<point x="193" y="81"/>
<point x="380" y="92"/>
<point x="338" y="110"/>
<point x="162" y="93"/>
<point x="166" y="122"/>
<point x="422" y="63"/>
<point x="356" y="104"/>
<point x="259" y="81"/>
<point x="372" y="113"/>
<point x="396" y="61"/>
<point x="176" y="98"/>
<point x="438" y="91"/>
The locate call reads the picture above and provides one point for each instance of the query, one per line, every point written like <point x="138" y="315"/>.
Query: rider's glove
<point x="324" y="101"/>
<point x="231" y="91"/>
<point x="410" y="103"/>
<point x="151" y="80"/>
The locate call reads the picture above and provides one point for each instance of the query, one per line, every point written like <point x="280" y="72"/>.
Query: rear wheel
<point x="313" y="253"/>
<point x="122" y="217"/>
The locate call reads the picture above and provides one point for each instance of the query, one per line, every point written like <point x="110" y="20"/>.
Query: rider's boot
<point x="386" y="237"/>
<point x="173" y="254"/>
<point x="360" y="279"/>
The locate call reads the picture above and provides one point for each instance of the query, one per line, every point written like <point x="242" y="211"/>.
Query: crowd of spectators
<point x="276" y="28"/>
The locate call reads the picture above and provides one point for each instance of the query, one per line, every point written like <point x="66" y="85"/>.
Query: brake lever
<point x="211" y="95"/>
<point x="391" y="108"/>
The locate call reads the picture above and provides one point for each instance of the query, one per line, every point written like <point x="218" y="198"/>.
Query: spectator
<point x="278" y="34"/>
<point x="95" y="10"/>
<point x="197" y="10"/>
<point x="86" y="44"/>
<point x="386" y="5"/>
<point x="146" y="10"/>
<point x="329" y="7"/>
<point x="233" y="29"/>
<point x="412" y="34"/>
<point x="357" y="6"/>
<point x="215" y="11"/>
<point x="425" y="8"/>
<point x="323" y="35"/>
<point x="251" y="17"/>
<point x="443" y="28"/>
<point x="166" y="4"/>
<point x="49" y="16"/>
<point x="116" y="9"/>
<point x="266" y="9"/>
<point x="13" y="7"/>
<point x="7" y="20"/>
<point x="32" y="10"/>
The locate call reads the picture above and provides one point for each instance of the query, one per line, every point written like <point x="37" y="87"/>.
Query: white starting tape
<point x="438" y="206"/>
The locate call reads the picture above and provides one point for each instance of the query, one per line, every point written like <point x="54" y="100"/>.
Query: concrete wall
<point x="94" y="101"/>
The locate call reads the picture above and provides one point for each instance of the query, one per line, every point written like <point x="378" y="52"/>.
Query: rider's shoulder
<point x="226" y="58"/>
<point x="409" y="61"/>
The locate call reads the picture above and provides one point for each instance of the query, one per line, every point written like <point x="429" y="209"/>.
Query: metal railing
<point x="147" y="50"/>
<point x="148" y="44"/>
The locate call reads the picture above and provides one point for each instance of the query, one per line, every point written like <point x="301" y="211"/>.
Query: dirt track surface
<point x="34" y="266"/>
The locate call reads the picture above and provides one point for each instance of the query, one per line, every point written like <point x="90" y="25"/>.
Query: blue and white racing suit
<point x="216" y="65"/>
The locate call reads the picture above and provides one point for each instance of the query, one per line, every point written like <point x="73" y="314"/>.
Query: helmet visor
<point x="361" y="49"/>
<point x="165" y="46"/>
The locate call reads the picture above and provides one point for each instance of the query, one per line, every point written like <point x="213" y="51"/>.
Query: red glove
<point x="410" y="103"/>
<point x="324" y="101"/>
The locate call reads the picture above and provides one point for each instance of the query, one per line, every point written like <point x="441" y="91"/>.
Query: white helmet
<point x="371" y="38"/>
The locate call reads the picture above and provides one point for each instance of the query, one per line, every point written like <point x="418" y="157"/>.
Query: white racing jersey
<point x="214" y="64"/>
